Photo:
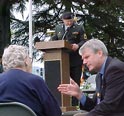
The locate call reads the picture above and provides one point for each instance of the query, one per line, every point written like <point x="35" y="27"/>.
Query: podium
<point x="56" y="65"/>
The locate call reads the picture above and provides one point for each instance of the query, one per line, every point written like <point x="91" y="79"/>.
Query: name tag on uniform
<point x="75" y="33"/>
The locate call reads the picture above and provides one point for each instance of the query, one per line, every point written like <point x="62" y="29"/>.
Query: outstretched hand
<point x="71" y="89"/>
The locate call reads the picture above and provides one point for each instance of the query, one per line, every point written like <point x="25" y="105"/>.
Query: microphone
<point x="65" y="33"/>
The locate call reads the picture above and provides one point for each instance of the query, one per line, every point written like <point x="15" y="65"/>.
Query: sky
<point x="19" y="15"/>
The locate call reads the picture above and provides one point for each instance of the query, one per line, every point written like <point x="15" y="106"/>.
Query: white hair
<point x="14" y="56"/>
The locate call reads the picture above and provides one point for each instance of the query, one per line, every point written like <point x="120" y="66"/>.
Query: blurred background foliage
<point x="102" y="19"/>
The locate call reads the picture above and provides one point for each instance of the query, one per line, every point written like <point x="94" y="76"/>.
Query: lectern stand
<point x="56" y="64"/>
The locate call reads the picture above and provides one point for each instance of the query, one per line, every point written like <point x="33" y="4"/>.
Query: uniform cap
<point x="67" y="15"/>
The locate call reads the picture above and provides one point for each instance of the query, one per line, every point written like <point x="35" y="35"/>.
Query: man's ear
<point x="100" y="52"/>
<point x="26" y="62"/>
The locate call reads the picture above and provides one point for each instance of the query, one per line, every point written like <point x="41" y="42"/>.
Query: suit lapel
<point x="109" y="59"/>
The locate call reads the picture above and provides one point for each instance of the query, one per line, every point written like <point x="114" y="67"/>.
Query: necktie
<point x="98" y="87"/>
<point x="65" y="33"/>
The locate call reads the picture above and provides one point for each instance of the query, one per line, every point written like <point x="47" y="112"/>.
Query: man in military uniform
<point x="74" y="34"/>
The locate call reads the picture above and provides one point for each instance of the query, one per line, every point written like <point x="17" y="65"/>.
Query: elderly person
<point x="109" y="97"/>
<point x="17" y="84"/>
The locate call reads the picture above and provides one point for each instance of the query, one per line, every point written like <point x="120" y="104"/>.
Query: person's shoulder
<point x="115" y="63"/>
<point x="59" y="28"/>
<point x="78" y="25"/>
<point x="60" y="25"/>
<point x="35" y="81"/>
<point x="33" y="77"/>
<point x="115" y="60"/>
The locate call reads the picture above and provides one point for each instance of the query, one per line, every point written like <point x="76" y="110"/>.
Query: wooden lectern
<point x="56" y="64"/>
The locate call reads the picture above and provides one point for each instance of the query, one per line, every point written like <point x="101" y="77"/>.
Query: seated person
<point x="109" y="97"/>
<point x="18" y="84"/>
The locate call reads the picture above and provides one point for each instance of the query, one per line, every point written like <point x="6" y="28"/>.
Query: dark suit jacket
<point x="112" y="103"/>
<point x="75" y="34"/>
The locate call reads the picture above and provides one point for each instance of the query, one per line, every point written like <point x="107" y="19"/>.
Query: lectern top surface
<point x="53" y="45"/>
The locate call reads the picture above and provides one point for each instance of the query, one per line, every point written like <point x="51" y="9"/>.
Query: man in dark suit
<point x="109" y="96"/>
<point x="74" y="34"/>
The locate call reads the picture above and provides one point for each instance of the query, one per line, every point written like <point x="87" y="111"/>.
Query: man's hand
<point x="71" y="89"/>
<point x="74" y="47"/>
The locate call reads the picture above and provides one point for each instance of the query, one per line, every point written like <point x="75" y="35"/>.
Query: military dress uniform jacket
<point x="74" y="34"/>
<point x="112" y="92"/>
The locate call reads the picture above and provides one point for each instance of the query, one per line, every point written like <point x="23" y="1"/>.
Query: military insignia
<point x="59" y="33"/>
<point x="98" y="94"/>
<point x="98" y="98"/>
<point x="75" y="33"/>
<point x="73" y="26"/>
<point x="85" y="36"/>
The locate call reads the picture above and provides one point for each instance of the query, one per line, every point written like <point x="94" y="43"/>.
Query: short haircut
<point x="95" y="45"/>
<point x="14" y="56"/>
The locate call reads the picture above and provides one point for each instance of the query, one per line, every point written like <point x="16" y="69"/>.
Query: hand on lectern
<point x="74" y="47"/>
